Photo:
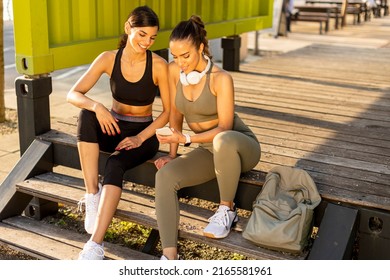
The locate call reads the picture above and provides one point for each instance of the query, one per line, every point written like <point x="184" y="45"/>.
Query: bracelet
<point x="188" y="140"/>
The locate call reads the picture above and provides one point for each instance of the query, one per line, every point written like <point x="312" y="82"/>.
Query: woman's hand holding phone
<point x="164" y="131"/>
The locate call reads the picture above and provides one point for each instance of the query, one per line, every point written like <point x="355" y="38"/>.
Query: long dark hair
<point x="142" y="16"/>
<point x="193" y="30"/>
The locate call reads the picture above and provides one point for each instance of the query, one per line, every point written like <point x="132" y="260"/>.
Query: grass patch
<point x="134" y="236"/>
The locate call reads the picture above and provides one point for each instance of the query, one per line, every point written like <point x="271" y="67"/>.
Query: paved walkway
<point x="373" y="35"/>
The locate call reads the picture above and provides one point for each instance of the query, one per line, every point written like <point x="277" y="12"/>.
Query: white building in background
<point x="7" y="10"/>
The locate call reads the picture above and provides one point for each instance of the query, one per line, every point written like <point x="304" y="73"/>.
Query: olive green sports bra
<point x="204" y="108"/>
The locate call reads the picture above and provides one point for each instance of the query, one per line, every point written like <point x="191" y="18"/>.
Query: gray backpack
<point x="283" y="210"/>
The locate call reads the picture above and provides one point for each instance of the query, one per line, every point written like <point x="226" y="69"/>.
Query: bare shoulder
<point x="174" y="71"/>
<point x="158" y="60"/>
<point x="220" y="76"/>
<point x="159" y="64"/>
<point x="107" y="55"/>
<point x="105" y="60"/>
<point x="173" y="67"/>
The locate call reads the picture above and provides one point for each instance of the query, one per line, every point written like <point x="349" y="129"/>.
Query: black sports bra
<point x="140" y="93"/>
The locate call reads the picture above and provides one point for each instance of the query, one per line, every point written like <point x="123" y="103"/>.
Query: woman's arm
<point x="175" y="119"/>
<point x="77" y="94"/>
<point x="221" y="84"/>
<point x="160" y="74"/>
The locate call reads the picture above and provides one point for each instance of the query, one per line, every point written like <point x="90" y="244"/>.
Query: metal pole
<point x="256" y="43"/>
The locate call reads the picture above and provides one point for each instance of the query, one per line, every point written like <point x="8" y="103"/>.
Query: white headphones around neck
<point x="194" y="77"/>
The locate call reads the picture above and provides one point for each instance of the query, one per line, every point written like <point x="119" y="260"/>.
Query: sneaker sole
<point x="210" y="235"/>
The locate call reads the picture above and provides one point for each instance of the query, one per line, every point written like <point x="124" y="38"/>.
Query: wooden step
<point x="46" y="241"/>
<point x="139" y="208"/>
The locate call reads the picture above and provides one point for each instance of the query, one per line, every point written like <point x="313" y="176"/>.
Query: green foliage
<point x="134" y="236"/>
<point x="127" y="233"/>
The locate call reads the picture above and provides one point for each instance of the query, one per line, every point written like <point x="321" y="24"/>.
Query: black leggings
<point x="88" y="130"/>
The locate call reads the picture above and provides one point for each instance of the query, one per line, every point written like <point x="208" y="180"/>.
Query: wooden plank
<point x="297" y="96"/>
<point x="336" y="234"/>
<point x="139" y="208"/>
<point x="310" y="144"/>
<point x="323" y="69"/>
<point x="11" y="202"/>
<point x="267" y="84"/>
<point x="331" y="159"/>
<point x="323" y="140"/>
<point x="34" y="245"/>
<point x="311" y="103"/>
<point x="368" y="139"/>
<point x="47" y="241"/>
<point x="366" y="127"/>
<point x="333" y="182"/>
<point x="315" y="115"/>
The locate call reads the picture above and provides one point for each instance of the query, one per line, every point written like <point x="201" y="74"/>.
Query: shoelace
<point x="82" y="201"/>
<point x="221" y="217"/>
<point x="80" y="204"/>
<point x="87" y="205"/>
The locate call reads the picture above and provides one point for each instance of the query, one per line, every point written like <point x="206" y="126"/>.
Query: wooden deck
<point x="326" y="108"/>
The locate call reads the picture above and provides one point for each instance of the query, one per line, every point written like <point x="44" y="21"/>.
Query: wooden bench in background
<point x="322" y="12"/>
<point x="311" y="16"/>
<point x="356" y="8"/>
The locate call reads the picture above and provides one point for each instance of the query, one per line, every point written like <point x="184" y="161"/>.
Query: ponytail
<point x="193" y="30"/>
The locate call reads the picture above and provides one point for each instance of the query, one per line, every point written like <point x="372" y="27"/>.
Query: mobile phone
<point x="164" y="131"/>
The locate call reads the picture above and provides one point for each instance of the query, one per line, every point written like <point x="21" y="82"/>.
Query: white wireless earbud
<point x="194" y="77"/>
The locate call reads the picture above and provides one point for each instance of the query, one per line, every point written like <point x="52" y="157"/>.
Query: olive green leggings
<point x="231" y="153"/>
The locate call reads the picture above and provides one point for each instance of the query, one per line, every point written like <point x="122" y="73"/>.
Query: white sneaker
<point x="164" y="258"/>
<point x="91" y="202"/>
<point x="221" y="222"/>
<point x="92" y="251"/>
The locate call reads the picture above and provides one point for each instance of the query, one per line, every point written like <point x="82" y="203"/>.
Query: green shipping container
<point x="57" y="34"/>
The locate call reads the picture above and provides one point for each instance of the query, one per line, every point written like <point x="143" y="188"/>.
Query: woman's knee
<point x="225" y="140"/>
<point x="86" y="116"/>
<point x="87" y="127"/>
<point x="166" y="179"/>
<point x="231" y="143"/>
<point x="114" y="172"/>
